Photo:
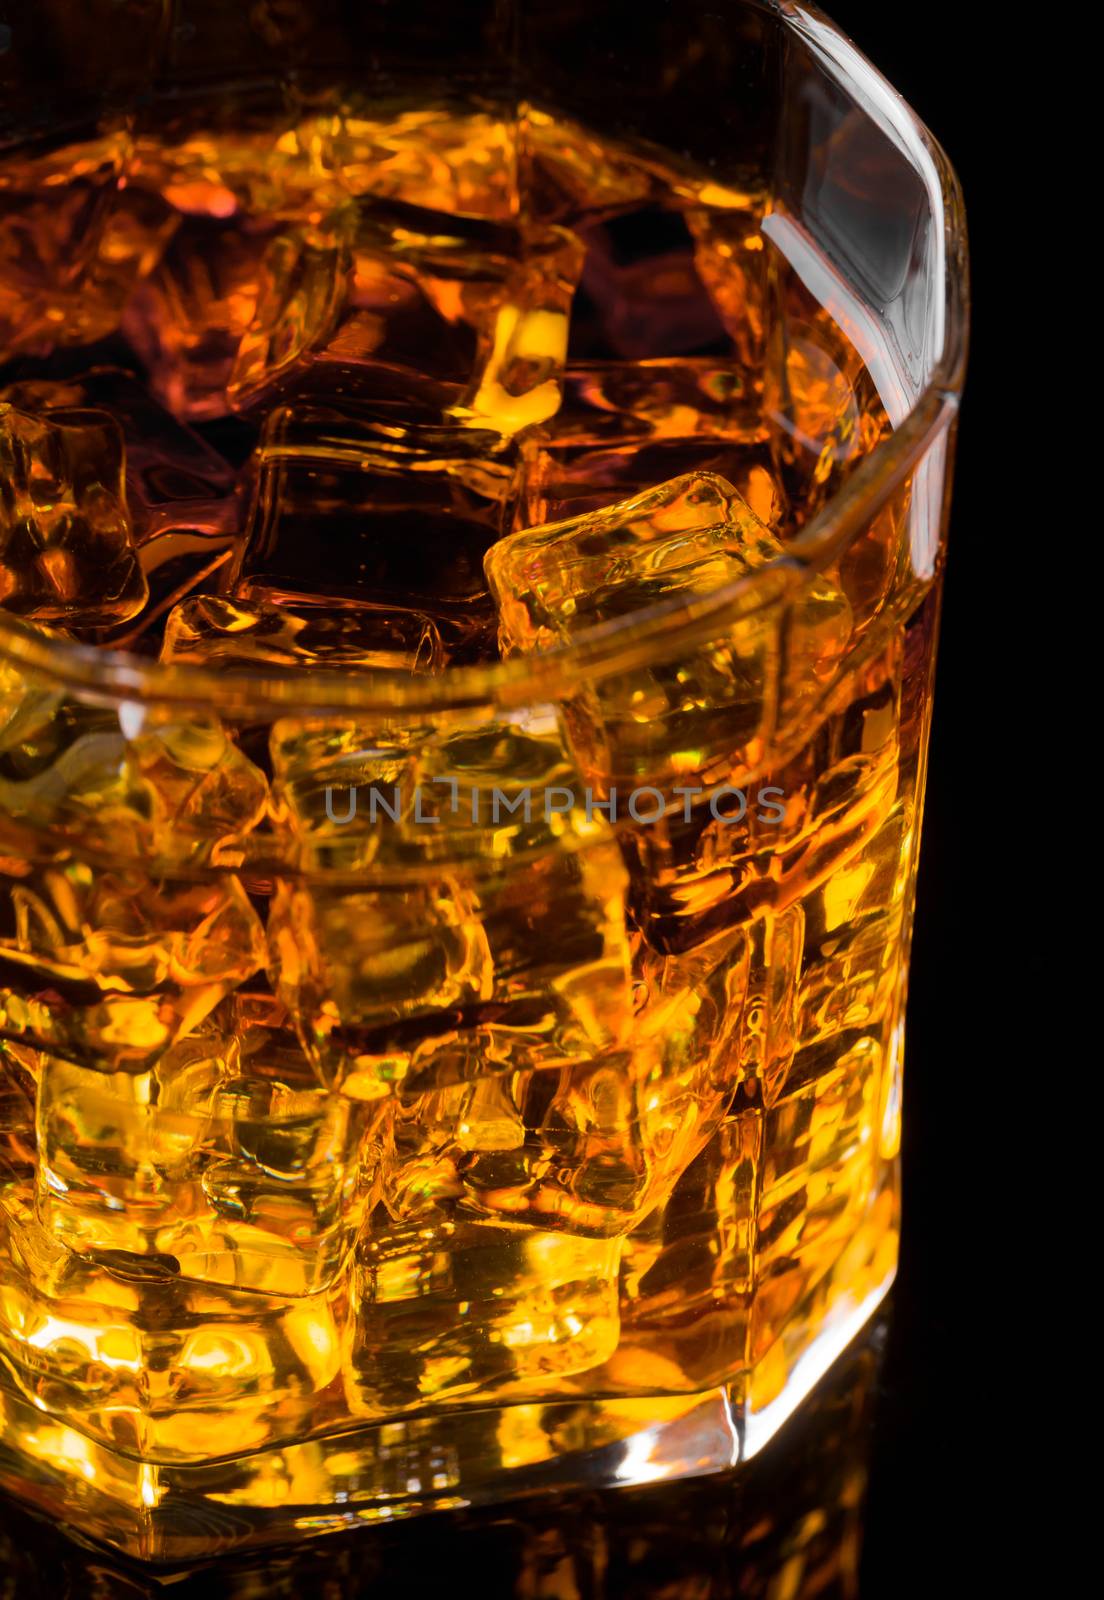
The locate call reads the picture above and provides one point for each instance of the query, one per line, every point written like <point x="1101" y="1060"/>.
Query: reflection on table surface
<point x="787" y="1526"/>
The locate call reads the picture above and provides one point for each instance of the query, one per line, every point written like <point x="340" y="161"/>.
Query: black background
<point x="937" y="1446"/>
<point x="942" y="1438"/>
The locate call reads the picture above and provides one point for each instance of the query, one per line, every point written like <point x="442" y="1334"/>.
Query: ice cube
<point x="697" y="714"/>
<point x="122" y="1153"/>
<point x="591" y="1146"/>
<point x="664" y="736"/>
<point x="71" y="245"/>
<point x="547" y="877"/>
<point x="657" y="365"/>
<point x="731" y="259"/>
<point x="850" y="974"/>
<point x="689" y="536"/>
<point x="675" y="398"/>
<point x="213" y="631"/>
<point x="66" y="545"/>
<point x="176" y="562"/>
<point x="173" y="478"/>
<point x="359" y="510"/>
<point x="232" y="160"/>
<point x="567" y="172"/>
<point x="461" y="163"/>
<point x="511" y="952"/>
<point x="350" y="962"/>
<point x="110" y="968"/>
<point x="459" y="1310"/>
<point x="293" y="146"/>
<point x="698" y="870"/>
<point x="335" y="782"/>
<point x="819" y="1172"/>
<point x="557" y="481"/>
<point x="130" y="783"/>
<point x="430" y="316"/>
<point x="226" y="1162"/>
<point x="665" y="369"/>
<point x="187" y="318"/>
<point x="163" y="1370"/>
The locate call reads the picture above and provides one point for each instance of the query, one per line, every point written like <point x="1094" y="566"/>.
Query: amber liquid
<point x="311" y="1119"/>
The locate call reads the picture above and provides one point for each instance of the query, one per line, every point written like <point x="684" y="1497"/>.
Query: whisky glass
<point x="422" y="1087"/>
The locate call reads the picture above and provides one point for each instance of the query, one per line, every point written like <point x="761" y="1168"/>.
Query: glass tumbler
<point x="420" y="1088"/>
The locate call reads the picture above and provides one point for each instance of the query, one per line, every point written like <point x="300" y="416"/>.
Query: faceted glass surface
<point x="471" y="501"/>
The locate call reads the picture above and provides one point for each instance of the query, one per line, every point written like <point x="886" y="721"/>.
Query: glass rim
<point x="618" y="645"/>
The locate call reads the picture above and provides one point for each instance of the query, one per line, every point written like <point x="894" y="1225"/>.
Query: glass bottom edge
<point x="391" y="1470"/>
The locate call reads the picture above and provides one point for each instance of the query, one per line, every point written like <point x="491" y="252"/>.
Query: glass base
<point x="400" y="1469"/>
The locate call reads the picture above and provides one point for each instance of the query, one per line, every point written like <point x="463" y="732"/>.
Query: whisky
<point x="457" y="848"/>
